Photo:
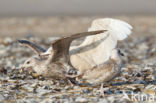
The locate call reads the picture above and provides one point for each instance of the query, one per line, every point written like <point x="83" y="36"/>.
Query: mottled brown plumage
<point x="56" y="64"/>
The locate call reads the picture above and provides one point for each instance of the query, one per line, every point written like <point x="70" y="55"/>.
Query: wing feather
<point x="33" y="46"/>
<point x="116" y="30"/>
<point x="61" y="46"/>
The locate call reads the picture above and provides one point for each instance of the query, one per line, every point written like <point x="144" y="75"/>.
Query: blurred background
<point x="61" y="17"/>
<point x="75" y="7"/>
<point x="40" y="20"/>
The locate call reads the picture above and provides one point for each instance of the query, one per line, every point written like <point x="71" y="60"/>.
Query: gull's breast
<point x="101" y="73"/>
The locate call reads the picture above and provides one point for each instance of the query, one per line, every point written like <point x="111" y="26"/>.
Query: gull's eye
<point x="28" y="62"/>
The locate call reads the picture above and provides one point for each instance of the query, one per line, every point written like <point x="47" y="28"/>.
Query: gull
<point x="57" y="62"/>
<point x="96" y="49"/>
<point x="97" y="59"/>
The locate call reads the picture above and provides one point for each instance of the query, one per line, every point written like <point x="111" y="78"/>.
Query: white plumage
<point x="100" y="45"/>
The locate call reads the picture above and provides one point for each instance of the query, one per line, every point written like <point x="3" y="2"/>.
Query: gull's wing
<point x="61" y="46"/>
<point x="39" y="50"/>
<point x="116" y="30"/>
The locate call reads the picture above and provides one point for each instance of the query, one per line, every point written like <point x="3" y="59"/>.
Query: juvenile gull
<point x="97" y="59"/>
<point x="55" y="64"/>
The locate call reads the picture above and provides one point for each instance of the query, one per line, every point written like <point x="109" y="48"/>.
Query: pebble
<point x="103" y="100"/>
<point x="25" y="88"/>
<point x="81" y="99"/>
<point x="2" y="98"/>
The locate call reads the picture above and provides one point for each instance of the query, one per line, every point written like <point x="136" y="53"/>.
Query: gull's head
<point x="116" y="54"/>
<point x="30" y="64"/>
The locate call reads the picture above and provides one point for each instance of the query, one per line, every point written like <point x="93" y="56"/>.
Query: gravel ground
<point x="137" y="80"/>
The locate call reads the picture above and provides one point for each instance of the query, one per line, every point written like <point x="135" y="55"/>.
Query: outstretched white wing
<point x="117" y="28"/>
<point x="97" y="48"/>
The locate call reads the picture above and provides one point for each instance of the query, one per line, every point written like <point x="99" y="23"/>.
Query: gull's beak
<point x="27" y="70"/>
<point x="122" y="54"/>
<point x="22" y="69"/>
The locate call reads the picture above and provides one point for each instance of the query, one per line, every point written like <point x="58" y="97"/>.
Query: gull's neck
<point x="115" y="56"/>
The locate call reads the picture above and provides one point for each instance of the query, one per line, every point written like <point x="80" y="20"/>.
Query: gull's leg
<point x="71" y="83"/>
<point x="101" y="90"/>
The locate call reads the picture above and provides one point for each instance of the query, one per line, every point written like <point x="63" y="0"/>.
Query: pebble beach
<point x="137" y="79"/>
